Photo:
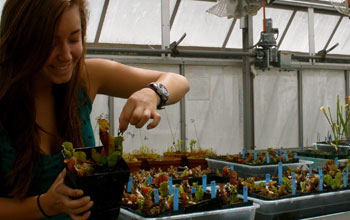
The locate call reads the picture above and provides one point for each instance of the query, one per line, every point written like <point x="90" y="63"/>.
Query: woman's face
<point x="67" y="48"/>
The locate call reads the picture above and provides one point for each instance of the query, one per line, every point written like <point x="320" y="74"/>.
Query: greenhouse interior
<point x="263" y="132"/>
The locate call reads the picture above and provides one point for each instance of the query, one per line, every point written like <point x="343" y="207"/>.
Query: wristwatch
<point x="161" y="91"/>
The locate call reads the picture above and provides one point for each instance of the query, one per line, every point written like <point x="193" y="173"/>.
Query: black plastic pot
<point x="105" y="187"/>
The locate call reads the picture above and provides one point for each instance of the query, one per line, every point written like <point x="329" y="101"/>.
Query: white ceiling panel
<point x="132" y="22"/>
<point x="202" y="28"/>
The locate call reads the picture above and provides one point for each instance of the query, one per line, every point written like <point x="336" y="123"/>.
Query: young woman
<point x="46" y="93"/>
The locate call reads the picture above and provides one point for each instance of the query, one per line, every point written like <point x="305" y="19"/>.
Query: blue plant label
<point x="245" y="193"/>
<point x="267" y="158"/>
<point x="344" y="180"/>
<point x="295" y="155"/>
<point x="321" y="183"/>
<point x="204" y="183"/>
<point x="280" y="173"/>
<point x="176" y="199"/>
<point x="267" y="178"/>
<point x="255" y="155"/>
<point x="320" y="172"/>
<point x="193" y="189"/>
<point x="262" y="151"/>
<point x="293" y="183"/>
<point x="281" y="150"/>
<point x="156" y="196"/>
<point x="310" y="169"/>
<point x="276" y="154"/>
<point x="232" y="167"/>
<point x="286" y="156"/>
<point x="213" y="189"/>
<point x="149" y="180"/>
<point x="347" y="170"/>
<point x="170" y="180"/>
<point x="301" y="147"/>
<point x="243" y="153"/>
<point x="336" y="161"/>
<point x="129" y="185"/>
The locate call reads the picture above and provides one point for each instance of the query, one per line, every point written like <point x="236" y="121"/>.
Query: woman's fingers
<point x="69" y="192"/>
<point x="156" y="119"/>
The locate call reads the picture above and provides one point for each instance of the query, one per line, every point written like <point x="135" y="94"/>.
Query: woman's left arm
<point x="119" y="80"/>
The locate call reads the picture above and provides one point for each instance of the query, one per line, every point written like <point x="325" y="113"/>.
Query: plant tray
<point x="243" y="213"/>
<point x="322" y="154"/>
<point x="245" y="171"/>
<point x="303" y="206"/>
<point x="324" y="146"/>
<point x="104" y="187"/>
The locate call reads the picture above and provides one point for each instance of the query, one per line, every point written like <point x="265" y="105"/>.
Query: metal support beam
<point x="102" y="19"/>
<point x="111" y="114"/>
<point x="229" y="32"/>
<point x="347" y="86"/>
<point x="311" y="28"/>
<point x="159" y="52"/>
<point x="248" y="93"/>
<point x="300" y="108"/>
<point x="165" y="19"/>
<point x="183" y="115"/>
<point x="333" y="32"/>
<point x="173" y="15"/>
<point x="286" y="29"/>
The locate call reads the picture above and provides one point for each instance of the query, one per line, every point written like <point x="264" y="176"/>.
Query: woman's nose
<point x="64" y="52"/>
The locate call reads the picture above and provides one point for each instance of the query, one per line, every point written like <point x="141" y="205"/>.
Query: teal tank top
<point x="46" y="172"/>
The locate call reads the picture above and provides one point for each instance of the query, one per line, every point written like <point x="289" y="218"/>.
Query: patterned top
<point x="47" y="171"/>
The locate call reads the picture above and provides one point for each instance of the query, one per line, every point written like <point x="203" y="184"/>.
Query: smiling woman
<point x="46" y="93"/>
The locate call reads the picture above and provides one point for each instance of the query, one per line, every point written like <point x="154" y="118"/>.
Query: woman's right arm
<point x="55" y="201"/>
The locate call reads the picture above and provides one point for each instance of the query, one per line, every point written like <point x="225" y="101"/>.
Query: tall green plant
<point x="340" y="127"/>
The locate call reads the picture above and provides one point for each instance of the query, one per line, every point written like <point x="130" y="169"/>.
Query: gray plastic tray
<point x="249" y="170"/>
<point x="242" y="213"/>
<point x="303" y="206"/>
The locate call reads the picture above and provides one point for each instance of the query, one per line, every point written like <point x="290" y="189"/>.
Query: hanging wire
<point x="195" y="131"/>
<point x="171" y="130"/>
<point x="141" y="138"/>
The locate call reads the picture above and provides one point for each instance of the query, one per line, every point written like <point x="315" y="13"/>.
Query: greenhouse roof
<point x="157" y="23"/>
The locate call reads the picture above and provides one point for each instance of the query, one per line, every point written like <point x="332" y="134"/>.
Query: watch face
<point x="163" y="90"/>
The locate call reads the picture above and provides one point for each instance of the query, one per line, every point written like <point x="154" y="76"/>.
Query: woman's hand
<point x="140" y="107"/>
<point x="57" y="200"/>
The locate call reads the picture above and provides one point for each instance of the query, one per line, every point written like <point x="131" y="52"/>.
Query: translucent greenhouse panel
<point x="162" y="136"/>
<point x="99" y="107"/>
<point x="297" y="38"/>
<point x="279" y="18"/>
<point x="214" y="108"/>
<point x="2" y="2"/>
<point x="235" y="40"/>
<point x="276" y="109"/>
<point x="132" y="22"/>
<point x="324" y="25"/>
<point x="342" y="36"/>
<point x="202" y="28"/>
<point x="320" y="88"/>
<point x="95" y="9"/>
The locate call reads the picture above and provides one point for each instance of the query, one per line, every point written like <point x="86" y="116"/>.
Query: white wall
<point x="214" y="109"/>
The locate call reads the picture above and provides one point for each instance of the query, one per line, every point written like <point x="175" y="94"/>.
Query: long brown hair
<point x="26" y="35"/>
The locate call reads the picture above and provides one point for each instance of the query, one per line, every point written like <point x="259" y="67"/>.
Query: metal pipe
<point x="177" y="53"/>
<point x="183" y="115"/>
<point x="300" y="108"/>
<point x="334" y="58"/>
